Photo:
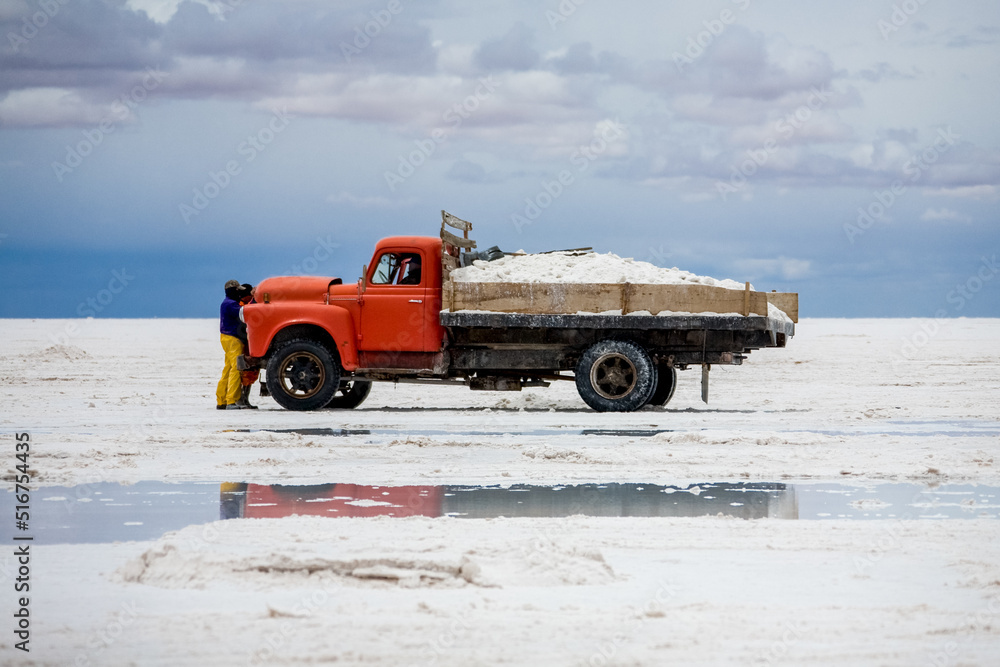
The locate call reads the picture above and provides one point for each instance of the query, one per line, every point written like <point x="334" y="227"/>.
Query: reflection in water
<point x="742" y="500"/>
<point x="106" y="512"/>
<point x="624" y="433"/>
<point x="304" y="431"/>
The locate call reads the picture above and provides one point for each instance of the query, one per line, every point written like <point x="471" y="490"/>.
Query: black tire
<point x="302" y="375"/>
<point x="351" y="394"/>
<point x="666" y="383"/>
<point x="615" y="376"/>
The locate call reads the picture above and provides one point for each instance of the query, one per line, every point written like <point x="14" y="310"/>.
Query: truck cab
<point x="401" y="297"/>
<point x="315" y="332"/>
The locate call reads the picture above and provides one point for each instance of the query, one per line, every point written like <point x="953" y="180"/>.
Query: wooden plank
<point x="786" y="301"/>
<point x="448" y="296"/>
<point x="539" y="298"/>
<point x="457" y="241"/>
<point x="456" y="223"/>
<point x="695" y="299"/>
<point x="560" y="298"/>
<point x="448" y="264"/>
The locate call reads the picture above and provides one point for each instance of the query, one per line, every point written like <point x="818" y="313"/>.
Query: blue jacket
<point x="229" y="317"/>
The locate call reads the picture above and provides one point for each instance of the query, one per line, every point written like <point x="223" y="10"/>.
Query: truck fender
<point x="266" y="321"/>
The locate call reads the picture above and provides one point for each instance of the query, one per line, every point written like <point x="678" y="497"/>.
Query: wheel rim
<point x="302" y="375"/>
<point x="613" y="376"/>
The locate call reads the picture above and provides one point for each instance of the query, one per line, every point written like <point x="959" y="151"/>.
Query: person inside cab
<point x="411" y="267"/>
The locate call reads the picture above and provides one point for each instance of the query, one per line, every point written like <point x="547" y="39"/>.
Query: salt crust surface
<point x="847" y="401"/>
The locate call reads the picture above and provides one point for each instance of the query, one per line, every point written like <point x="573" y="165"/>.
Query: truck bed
<point x="626" y="299"/>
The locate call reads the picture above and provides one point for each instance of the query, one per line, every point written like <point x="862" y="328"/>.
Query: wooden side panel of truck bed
<point x="572" y="298"/>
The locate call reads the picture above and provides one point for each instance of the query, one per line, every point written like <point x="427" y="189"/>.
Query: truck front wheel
<point x="615" y="376"/>
<point x="302" y="375"/>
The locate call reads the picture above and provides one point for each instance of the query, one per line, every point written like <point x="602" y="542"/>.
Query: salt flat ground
<point x="859" y="402"/>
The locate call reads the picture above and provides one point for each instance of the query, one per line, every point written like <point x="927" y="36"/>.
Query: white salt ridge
<point x="567" y="267"/>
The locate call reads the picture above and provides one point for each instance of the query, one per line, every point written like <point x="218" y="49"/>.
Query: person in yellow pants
<point x="230" y="387"/>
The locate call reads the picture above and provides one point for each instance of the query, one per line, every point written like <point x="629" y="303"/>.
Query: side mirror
<point x="363" y="280"/>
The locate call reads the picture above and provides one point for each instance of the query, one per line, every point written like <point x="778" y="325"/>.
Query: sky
<point x="151" y="150"/>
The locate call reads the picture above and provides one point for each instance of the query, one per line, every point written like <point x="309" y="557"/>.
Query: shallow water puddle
<point x="628" y="433"/>
<point x="107" y="512"/>
<point x="902" y="428"/>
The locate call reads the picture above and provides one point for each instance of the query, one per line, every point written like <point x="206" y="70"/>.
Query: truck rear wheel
<point x="351" y="394"/>
<point x="615" y="376"/>
<point x="666" y="383"/>
<point x="302" y="375"/>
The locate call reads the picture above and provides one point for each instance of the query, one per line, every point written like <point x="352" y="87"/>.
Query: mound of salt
<point x="592" y="267"/>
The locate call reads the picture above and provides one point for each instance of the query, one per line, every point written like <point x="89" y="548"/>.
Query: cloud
<point x="467" y="171"/>
<point x="981" y="36"/>
<point x="944" y="215"/>
<point x="369" y="202"/>
<point x="95" y="46"/>
<point x="966" y="192"/>
<point x="339" y="35"/>
<point x="514" y="51"/>
<point x="747" y="89"/>
<point x="576" y="59"/>
<point x="883" y="71"/>
<point x="49" y="107"/>
<point x="86" y="43"/>
<point x="746" y="64"/>
<point x="906" y="137"/>
<point x="159" y="11"/>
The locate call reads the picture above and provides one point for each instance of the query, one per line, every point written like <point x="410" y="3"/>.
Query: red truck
<point x="322" y="343"/>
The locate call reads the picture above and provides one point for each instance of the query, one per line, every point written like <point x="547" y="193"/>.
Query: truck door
<point x="392" y="316"/>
